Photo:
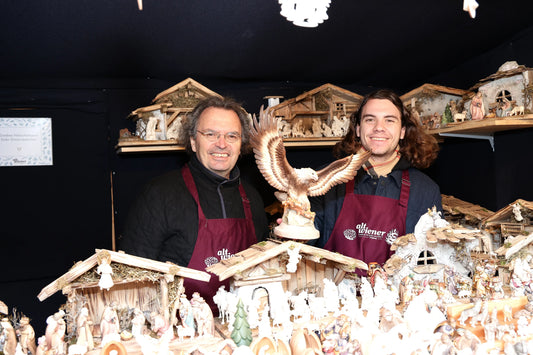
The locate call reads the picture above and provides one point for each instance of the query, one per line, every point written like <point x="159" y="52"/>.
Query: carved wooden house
<point x="322" y="112"/>
<point x="513" y="219"/>
<point x="162" y="120"/>
<point x="150" y="286"/>
<point x="263" y="270"/>
<point x="428" y="102"/>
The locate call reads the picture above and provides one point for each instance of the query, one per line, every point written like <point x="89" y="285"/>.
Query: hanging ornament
<point x="470" y="6"/>
<point x="305" y="13"/>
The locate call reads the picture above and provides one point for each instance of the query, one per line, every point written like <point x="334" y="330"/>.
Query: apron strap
<point x="406" y="186"/>
<point x="245" y="203"/>
<point x="349" y="187"/>
<point x="191" y="186"/>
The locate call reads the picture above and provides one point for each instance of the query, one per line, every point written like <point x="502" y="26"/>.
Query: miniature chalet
<point x="428" y="102"/>
<point x="263" y="268"/>
<point x="162" y="120"/>
<point x="322" y="112"/>
<point x="148" y="285"/>
<point x="508" y="91"/>
<point x="512" y="220"/>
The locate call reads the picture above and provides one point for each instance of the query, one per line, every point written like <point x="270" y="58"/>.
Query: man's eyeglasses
<point x="213" y="136"/>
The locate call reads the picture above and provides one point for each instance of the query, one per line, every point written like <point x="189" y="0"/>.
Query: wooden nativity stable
<point x="261" y="271"/>
<point x="512" y="220"/>
<point x="321" y="112"/>
<point x="429" y="101"/>
<point x="148" y="285"/>
<point x="163" y="119"/>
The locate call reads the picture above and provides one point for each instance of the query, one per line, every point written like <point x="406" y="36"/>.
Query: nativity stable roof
<point x="430" y="90"/>
<point x="346" y="94"/>
<point x="82" y="267"/>
<point x="189" y="84"/>
<point x="505" y="214"/>
<point x="263" y="251"/>
<point x="458" y="208"/>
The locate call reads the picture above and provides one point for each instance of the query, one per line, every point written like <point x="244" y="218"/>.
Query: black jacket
<point x="163" y="222"/>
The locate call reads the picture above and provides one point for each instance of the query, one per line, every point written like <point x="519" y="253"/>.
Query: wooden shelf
<point x="487" y="126"/>
<point x="141" y="146"/>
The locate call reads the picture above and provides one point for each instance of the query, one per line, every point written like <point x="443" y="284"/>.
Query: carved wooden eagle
<point x="271" y="160"/>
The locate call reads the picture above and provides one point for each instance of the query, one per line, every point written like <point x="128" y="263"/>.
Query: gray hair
<point x="190" y="124"/>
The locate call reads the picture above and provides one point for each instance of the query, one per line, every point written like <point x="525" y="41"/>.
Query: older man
<point x="203" y="213"/>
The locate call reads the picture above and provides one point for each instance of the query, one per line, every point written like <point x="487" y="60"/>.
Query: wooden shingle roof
<point x="349" y="95"/>
<point x="82" y="267"/>
<point x="505" y="214"/>
<point x="470" y="212"/>
<point x="264" y="251"/>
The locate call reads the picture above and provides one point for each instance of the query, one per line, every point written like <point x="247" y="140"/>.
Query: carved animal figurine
<point x="482" y="316"/>
<point x="517" y="110"/>
<point x="297" y="184"/>
<point x="507" y="313"/>
<point x="470" y="312"/>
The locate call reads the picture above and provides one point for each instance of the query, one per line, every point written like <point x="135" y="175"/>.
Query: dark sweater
<point x="163" y="222"/>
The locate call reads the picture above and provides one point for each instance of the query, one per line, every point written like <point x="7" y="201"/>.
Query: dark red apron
<point x="218" y="239"/>
<point x="367" y="225"/>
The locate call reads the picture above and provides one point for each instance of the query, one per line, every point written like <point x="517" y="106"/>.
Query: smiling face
<point x="380" y="129"/>
<point x="219" y="156"/>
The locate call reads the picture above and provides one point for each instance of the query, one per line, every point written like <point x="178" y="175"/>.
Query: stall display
<point x="294" y="299"/>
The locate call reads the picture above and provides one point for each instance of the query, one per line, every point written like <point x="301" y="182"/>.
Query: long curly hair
<point x="417" y="146"/>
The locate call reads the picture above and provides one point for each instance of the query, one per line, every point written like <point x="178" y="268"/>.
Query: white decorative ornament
<point x="470" y="6"/>
<point x="305" y="13"/>
<point x="105" y="270"/>
<point x="294" y="258"/>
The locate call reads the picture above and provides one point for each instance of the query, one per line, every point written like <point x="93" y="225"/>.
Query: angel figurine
<point x="294" y="185"/>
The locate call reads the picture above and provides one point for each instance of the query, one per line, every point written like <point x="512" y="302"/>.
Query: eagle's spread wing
<point x="339" y="171"/>
<point x="270" y="152"/>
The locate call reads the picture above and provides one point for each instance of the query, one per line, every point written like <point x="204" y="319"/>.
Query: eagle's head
<point x="306" y="175"/>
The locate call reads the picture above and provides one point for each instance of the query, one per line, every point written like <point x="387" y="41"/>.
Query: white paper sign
<point x="25" y="141"/>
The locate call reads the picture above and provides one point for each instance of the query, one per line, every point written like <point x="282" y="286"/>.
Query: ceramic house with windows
<point x="162" y="120"/>
<point x="434" y="245"/>
<point x="508" y="91"/>
<point x="124" y="280"/>
<point x="322" y="112"/>
<point x="428" y="102"/>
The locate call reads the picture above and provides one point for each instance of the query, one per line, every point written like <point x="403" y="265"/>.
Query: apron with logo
<point x="218" y="239"/>
<point x="367" y="225"/>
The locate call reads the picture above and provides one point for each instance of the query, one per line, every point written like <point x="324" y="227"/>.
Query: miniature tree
<point x="241" y="334"/>
<point x="447" y="115"/>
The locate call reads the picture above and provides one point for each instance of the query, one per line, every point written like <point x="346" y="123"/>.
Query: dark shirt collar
<point x="395" y="174"/>
<point x="196" y="165"/>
